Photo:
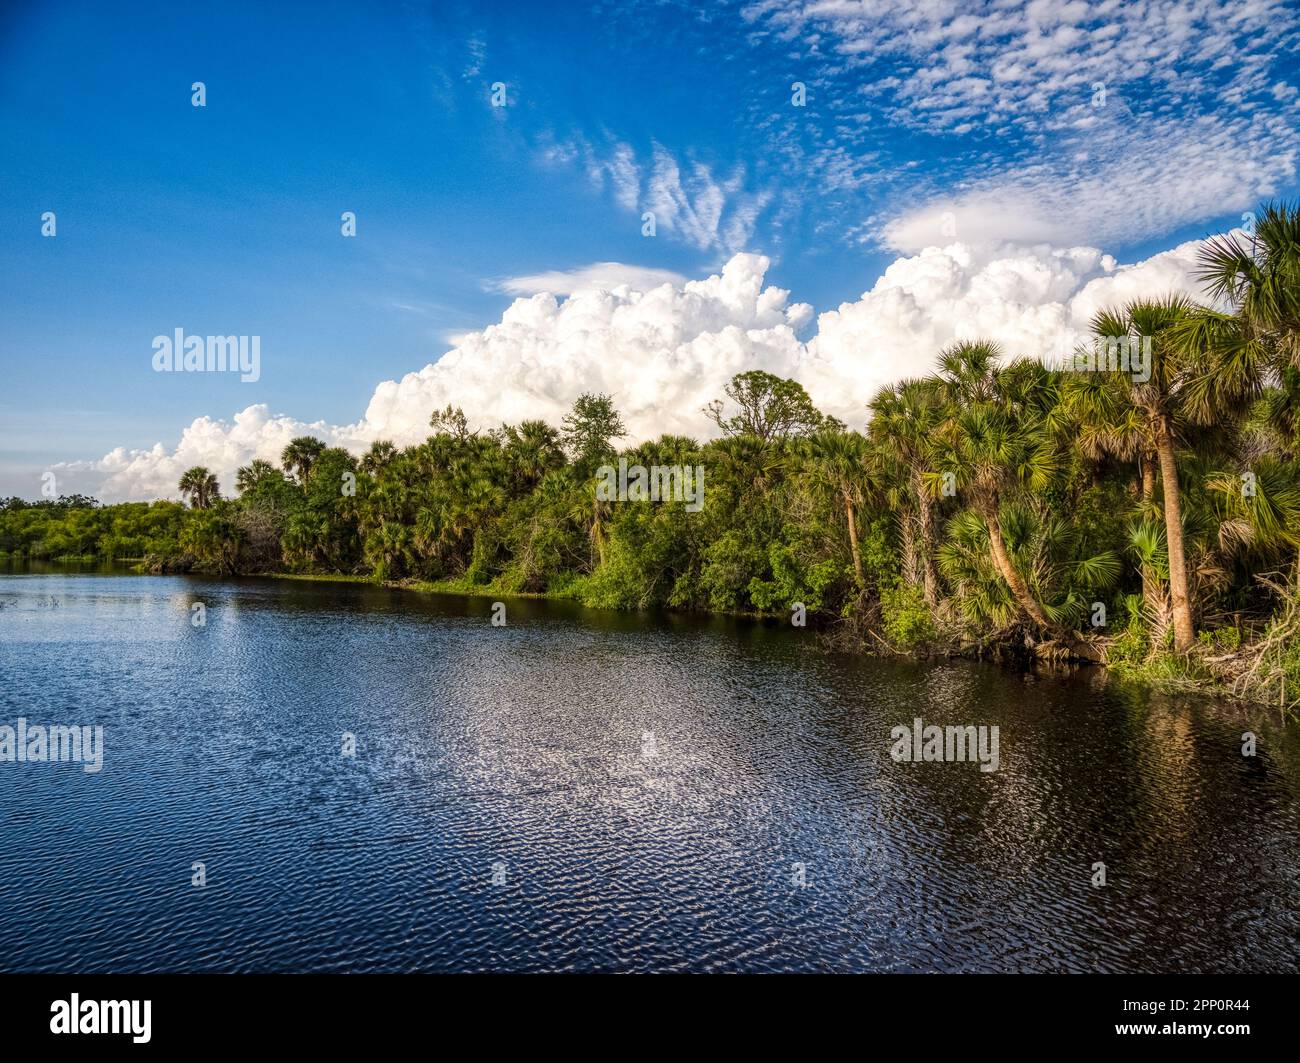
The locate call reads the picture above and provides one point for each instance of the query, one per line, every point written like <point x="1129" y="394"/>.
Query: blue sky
<point x="224" y="219"/>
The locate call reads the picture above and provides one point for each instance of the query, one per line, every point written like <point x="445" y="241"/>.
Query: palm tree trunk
<point x="1184" y="632"/>
<point x="1156" y="599"/>
<point x="929" y="571"/>
<point x="1153" y="591"/>
<point x="911" y="568"/>
<point x="1148" y="477"/>
<point x="1002" y="560"/>
<point x="853" y="535"/>
<point x="597" y="536"/>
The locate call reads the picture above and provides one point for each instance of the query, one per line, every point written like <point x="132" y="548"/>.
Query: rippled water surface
<point x="523" y="753"/>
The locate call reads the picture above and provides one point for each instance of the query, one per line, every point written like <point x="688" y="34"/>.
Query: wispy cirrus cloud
<point x="692" y="201"/>
<point x="1068" y="121"/>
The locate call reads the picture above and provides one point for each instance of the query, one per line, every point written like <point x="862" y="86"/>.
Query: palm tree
<point x="532" y="450"/>
<point x="200" y="486"/>
<point x="427" y="531"/>
<point x="1258" y="339"/>
<point x="388" y="550"/>
<point x="478" y="500"/>
<point x="1146" y="538"/>
<point x="300" y="455"/>
<point x="378" y="457"/>
<point x="1264" y="520"/>
<point x="837" y="462"/>
<point x="904" y="419"/>
<point x="1259" y="276"/>
<point x="1106" y="423"/>
<point x="1188" y="384"/>
<point x="997" y="435"/>
<point x="749" y="461"/>
<point x="1045" y="546"/>
<point x="249" y="476"/>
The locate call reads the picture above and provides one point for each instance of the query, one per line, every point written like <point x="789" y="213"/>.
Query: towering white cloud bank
<point x="663" y="353"/>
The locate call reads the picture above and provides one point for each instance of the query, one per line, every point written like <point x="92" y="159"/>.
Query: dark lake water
<point x="580" y="790"/>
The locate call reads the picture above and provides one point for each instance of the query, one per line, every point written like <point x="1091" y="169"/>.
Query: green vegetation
<point x="78" y="528"/>
<point x="1150" y="520"/>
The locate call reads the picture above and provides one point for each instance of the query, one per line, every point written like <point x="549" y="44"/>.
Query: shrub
<point x="908" y="622"/>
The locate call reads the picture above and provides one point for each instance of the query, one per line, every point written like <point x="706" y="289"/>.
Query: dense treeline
<point x="1148" y="518"/>
<point x="77" y="527"/>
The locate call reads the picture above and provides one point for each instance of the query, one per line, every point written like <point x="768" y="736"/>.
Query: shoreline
<point x="454" y="588"/>
<point x="1164" y="674"/>
<point x="1153" y="678"/>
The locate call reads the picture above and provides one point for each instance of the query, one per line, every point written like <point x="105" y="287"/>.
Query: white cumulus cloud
<point x="665" y="351"/>
<point x="599" y="275"/>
